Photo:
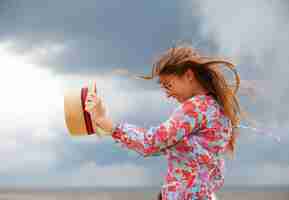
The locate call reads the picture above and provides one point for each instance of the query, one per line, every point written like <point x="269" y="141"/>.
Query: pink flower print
<point x="203" y="107"/>
<point x="152" y="149"/>
<point x="193" y="165"/>
<point x="162" y="134"/>
<point x="203" y="159"/>
<point x="191" y="180"/>
<point x="187" y="127"/>
<point x="204" y="121"/>
<point x="204" y="176"/>
<point x="182" y="147"/>
<point x="189" y="107"/>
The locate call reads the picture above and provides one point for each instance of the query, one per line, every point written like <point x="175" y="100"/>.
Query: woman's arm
<point x="185" y="119"/>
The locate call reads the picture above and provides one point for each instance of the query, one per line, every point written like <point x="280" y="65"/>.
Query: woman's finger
<point x="89" y="107"/>
<point x="93" y="101"/>
<point x="97" y="101"/>
<point x="94" y="87"/>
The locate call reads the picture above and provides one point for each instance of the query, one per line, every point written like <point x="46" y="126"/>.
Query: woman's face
<point x="182" y="87"/>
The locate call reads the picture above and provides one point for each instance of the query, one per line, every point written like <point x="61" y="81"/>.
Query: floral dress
<point x="193" y="140"/>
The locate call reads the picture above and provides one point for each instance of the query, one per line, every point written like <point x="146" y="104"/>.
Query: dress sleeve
<point x="185" y="119"/>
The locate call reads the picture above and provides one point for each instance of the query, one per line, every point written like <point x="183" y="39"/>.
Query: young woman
<point x="198" y="133"/>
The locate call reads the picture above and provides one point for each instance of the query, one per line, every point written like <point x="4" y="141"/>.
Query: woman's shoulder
<point x="202" y="101"/>
<point x="198" y="104"/>
<point x="205" y="104"/>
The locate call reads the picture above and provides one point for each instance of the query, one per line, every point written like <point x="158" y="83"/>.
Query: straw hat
<point x="78" y="121"/>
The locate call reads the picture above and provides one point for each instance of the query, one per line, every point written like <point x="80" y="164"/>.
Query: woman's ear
<point x="190" y="76"/>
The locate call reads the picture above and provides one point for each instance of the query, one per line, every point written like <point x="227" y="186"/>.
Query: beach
<point x="139" y="194"/>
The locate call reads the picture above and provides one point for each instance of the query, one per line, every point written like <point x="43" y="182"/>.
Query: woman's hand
<point x="98" y="111"/>
<point x="95" y="106"/>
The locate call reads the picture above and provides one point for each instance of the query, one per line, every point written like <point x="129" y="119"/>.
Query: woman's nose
<point x="169" y="95"/>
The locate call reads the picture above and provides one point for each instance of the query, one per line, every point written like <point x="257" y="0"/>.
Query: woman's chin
<point x="180" y="100"/>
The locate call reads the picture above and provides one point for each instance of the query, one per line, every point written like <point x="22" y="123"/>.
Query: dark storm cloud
<point x="100" y="35"/>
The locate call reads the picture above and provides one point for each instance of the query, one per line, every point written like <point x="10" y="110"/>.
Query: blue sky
<point x="46" y="47"/>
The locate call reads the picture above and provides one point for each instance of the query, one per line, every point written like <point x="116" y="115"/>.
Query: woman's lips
<point x="171" y="95"/>
<point x="174" y="96"/>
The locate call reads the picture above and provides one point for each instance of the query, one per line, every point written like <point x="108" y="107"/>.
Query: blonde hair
<point x="178" y="60"/>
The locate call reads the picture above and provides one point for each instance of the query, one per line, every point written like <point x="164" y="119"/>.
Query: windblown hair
<point x="178" y="60"/>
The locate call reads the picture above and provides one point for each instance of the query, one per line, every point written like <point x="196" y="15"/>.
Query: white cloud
<point x="30" y="105"/>
<point x="272" y="174"/>
<point x="250" y="28"/>
<point x="266" y="173"/>
<point x="118" y="175"/>
<point x="244" y="26"/>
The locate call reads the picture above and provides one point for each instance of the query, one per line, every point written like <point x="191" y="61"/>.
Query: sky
<point x="48" y="46"/>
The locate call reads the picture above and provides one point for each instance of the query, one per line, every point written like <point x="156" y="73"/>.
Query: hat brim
<point x="78" y="121"/>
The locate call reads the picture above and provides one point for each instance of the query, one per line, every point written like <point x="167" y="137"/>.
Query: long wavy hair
<point x="179" y="59"/>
